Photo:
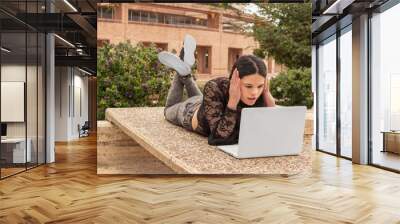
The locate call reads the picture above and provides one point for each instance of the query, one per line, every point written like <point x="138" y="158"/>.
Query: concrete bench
<point x="140" y="141"/>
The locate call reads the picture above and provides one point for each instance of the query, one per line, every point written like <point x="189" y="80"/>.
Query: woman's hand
<point x="234" y="90"/>
<point x="269" y="101"/>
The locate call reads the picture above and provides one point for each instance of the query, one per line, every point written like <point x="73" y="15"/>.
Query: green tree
<point x="293" y="87"/>
<point x="129" y="76"/>
<point x="284" y="32"/>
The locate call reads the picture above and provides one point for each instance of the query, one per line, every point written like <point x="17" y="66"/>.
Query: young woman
<point x="217" y="113"/>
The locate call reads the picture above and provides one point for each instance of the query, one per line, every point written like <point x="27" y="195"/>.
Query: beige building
<point x="219" y="41"/>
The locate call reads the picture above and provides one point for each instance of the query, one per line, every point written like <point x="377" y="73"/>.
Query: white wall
<point x="62" y="81"/>
<point x="33" y="126"/>
<point x="81" y="82"/>
<point x="12" y="73"/>
<point x="70" y="83"/>
<point x="12" y="101"/>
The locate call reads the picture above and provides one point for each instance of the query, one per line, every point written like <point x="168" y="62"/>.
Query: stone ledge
<point x="189" y="153"/>
<point x="117" y="153"/>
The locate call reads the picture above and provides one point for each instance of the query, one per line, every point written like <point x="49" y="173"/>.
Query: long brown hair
<point x="248" y="65"/>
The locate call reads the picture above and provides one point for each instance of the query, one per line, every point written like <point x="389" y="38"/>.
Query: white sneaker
<point x="189" y="46"/>
<point x="172" y="61"/>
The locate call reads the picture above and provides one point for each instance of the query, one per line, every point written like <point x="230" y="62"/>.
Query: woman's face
<point x="251" y="87"/>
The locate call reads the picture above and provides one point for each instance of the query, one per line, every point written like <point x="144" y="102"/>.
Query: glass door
<point x="327" y="96"/>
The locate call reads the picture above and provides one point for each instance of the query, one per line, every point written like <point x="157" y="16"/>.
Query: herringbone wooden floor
<point x="69" y="191"/>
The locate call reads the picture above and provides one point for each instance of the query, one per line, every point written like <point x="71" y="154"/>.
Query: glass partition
<point x="327" y="98"/>
<point x="14" y="152"/>
<point x="22" y="89"/>
<point x="346" y="92"/>
<point x="385" y="89"/>
<point x="31" y="98"/>
<point x="41" y="109"/>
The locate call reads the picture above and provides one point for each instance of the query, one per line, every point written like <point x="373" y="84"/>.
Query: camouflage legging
<point x="181" y="112"/>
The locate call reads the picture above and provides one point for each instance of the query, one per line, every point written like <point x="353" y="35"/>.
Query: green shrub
<point x="130" y="76"/>
<point x="293" y="88"/>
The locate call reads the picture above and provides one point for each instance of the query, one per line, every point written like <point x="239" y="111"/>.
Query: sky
<point x="251" y="8"/>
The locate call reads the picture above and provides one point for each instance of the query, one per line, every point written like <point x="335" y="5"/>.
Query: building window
<point x="105" y="12"/>
<point x="144" y="16"/>
<point x="188" y="21"/>
<point x="385" y="89"/>
<point x="181" y="20"/>
<point x="203" y="59"/>
<point x="206" y="59"/>
<point x="233" y="55"/>
<point x="134" y="15"/>
<point x="162" y="18"/>
<point x="153" y="17"/>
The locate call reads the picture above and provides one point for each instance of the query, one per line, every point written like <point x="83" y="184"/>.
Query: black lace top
<point x="215" y="119"/>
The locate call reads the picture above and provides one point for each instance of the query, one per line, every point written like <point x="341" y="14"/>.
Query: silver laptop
<point x="269" y="131"/>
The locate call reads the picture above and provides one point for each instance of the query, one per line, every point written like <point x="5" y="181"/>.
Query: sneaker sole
<point x="189" y="45"/>
<point x="172" y="61"/>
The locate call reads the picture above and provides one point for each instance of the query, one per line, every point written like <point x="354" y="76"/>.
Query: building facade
<point x="219" y="43"/>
